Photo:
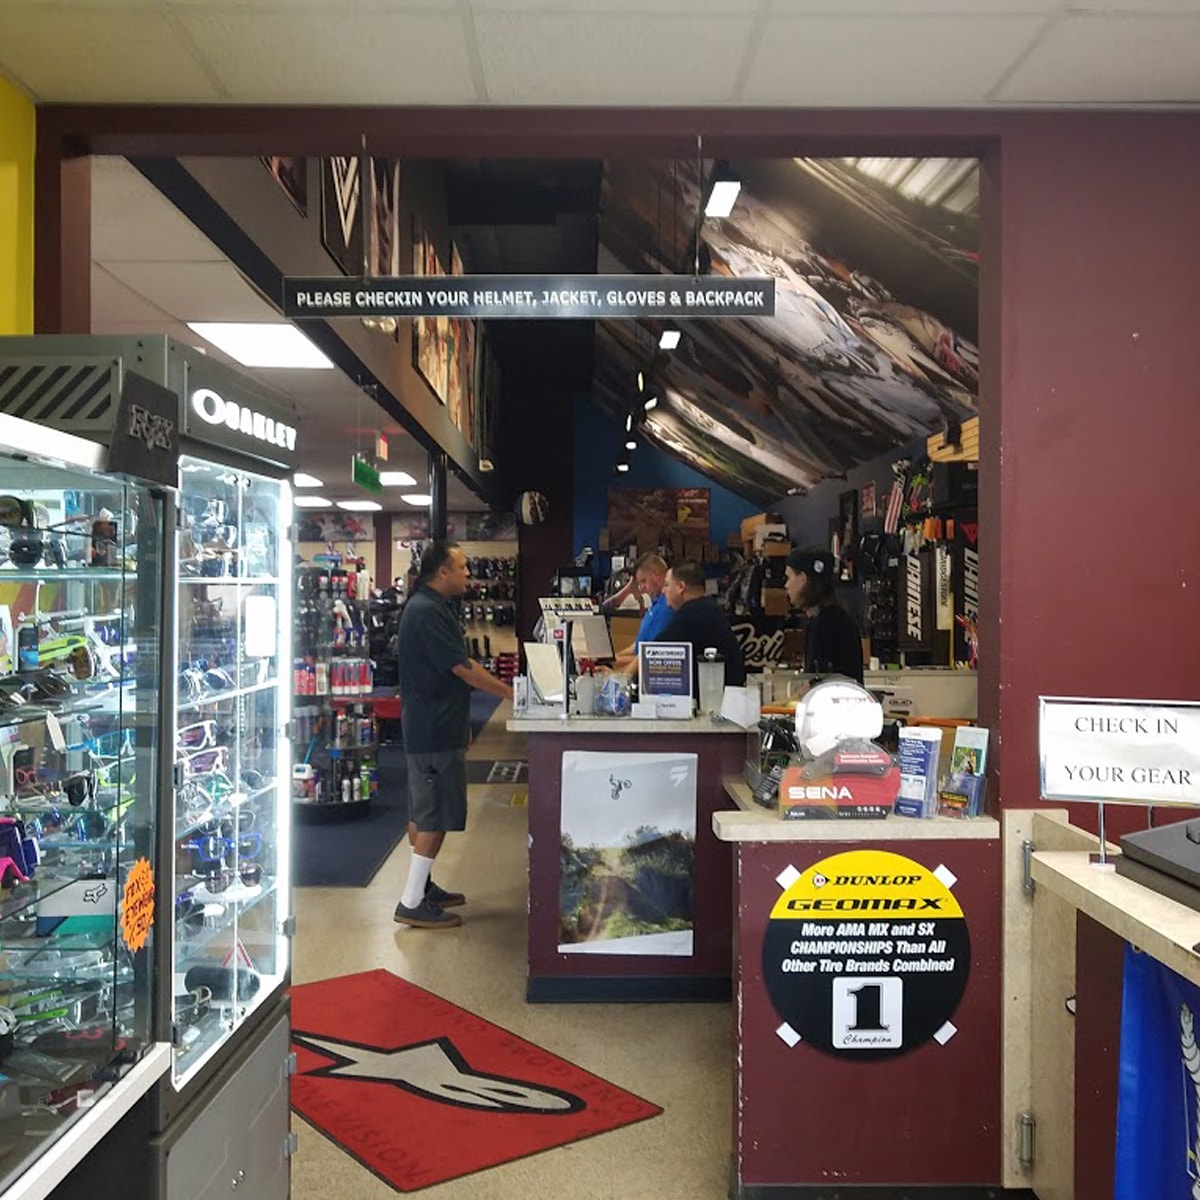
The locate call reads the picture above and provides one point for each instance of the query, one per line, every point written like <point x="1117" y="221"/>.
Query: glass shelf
<point x="229" y="694"/>
<point x="244" y="580"/>
<point x="65" y="574"/>
<point x="227" y="807"/>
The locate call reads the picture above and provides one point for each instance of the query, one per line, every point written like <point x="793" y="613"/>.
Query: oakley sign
<point x="214" y="409"/>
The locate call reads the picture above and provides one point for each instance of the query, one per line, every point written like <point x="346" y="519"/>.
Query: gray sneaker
<point x="443" y="898"/>
<point x="426" y="915"/>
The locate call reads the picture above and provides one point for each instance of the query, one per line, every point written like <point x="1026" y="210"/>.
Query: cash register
<point x="1166" y="859"/>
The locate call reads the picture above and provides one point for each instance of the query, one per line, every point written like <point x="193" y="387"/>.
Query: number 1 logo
<point x="868" y="1013"/>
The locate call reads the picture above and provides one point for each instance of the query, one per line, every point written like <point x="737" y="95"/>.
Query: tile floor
<point x="677" y="1056"/>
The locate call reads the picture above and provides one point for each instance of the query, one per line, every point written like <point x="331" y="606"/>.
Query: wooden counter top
<point x="753" y="823"/>
<point x="1160" y="926"/>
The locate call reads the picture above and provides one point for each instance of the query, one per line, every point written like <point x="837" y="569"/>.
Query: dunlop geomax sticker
<point x="866" y="954"/>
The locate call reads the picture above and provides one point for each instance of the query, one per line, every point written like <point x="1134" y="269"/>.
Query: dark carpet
<point x="336" y="848"/>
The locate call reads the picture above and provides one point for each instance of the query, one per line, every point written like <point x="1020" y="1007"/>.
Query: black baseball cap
<point x="816" y="564"/>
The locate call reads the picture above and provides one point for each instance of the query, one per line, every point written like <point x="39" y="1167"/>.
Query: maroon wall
<point x="1098" y="427"/>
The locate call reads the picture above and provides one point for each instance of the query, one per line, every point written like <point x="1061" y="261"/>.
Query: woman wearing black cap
<point x="832" y="644"/>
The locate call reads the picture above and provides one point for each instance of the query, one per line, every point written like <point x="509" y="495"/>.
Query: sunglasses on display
<point x="196" y="683"/>
<point x="189" y="1009"/>
<point x="218" y="879"/>
<point x="201" y="735"/>
<point x="213" y="848"/>
<point x="213" y="760"/>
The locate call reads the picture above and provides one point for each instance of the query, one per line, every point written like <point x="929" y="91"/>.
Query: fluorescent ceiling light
<point x="723" y="198"/>
<point x="360" y="505"/>
<point x="622" y="467"/>
<point x="629" y="422"/>
<point x="396" y="479"/>
<point x="259" y="345"/>
<point x="417" y="499"/>
<point x="652" y="403"/>
<point x="669" y="339"/>
<point x="302" y="480"/>
<point x="310" y="502"/>
<point x="631" y="444"/>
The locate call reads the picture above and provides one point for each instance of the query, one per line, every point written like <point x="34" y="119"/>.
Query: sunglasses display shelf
<point x="337" y="734"/>
<point x="231" y="883"/>
<point x="81" y="626"/>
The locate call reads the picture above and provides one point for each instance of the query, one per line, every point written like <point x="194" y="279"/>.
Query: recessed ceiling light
<point x="652" y="403"/>
<point x="417" y="499"/>
<point x="261" y="345"/>
<point x="631" y="444"/>
<point x="622" y="467"/>
<point x="360" y="505"/>
<point x="669" y="339"/>
<point x="302" y="480"/>
<point x="629" y="422"/>
<point x="396" y="479"/>
<point x="641" y="380"/>
<point x="722" y="198"/>
<point x="311" y="502"/>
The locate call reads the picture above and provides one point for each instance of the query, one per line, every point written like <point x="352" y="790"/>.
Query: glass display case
<point x="232" y="755"/>
<point x="81" y="631"/>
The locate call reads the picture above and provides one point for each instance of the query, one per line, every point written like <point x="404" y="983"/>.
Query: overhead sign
<point x="1131" y="751"/>
<point x="212" y="417"/>
<point x="866" y="955"/>
<point x="530" y="297"/>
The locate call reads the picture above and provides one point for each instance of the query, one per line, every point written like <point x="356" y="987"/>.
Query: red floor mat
<point x="421" y="1091"/>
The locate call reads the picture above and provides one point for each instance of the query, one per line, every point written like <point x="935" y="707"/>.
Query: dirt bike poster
<point x="1158" y="1082"/>
<point x="627" y="857"/>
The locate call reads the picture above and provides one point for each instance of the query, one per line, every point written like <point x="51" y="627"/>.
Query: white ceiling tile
<point x="887" y="8"/>
<point x="1119" y="59"/>
<point x="1135" y="6"/>
<point x="202" y="291"/>
<point x="865" y="61"/>
<point x="97" y="54"/>
<point x="634" y="7"/>
<point x="595" y="59"/>
<point x="335" y="58"/>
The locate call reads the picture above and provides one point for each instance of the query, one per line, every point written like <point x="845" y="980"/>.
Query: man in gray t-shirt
<point x="436" y="678"/>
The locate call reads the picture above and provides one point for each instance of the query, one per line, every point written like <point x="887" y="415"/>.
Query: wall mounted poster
<point x="627" y="853"/>
<point x="292" y="176"/>
<point x="646" y="517"/>
<point x="342" y="216"/>
<point x="430" y="334"/>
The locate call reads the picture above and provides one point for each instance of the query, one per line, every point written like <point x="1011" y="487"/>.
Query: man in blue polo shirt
<point x="649" y="573"/>
<point x="436" y="678"/>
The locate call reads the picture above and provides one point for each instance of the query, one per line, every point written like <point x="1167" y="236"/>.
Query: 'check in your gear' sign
<point x="866" y="955"/>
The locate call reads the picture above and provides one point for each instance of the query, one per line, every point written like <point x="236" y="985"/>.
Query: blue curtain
<point x="1158" y="1139"/>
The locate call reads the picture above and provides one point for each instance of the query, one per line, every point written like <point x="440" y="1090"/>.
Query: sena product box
<point x="869" y="795"/>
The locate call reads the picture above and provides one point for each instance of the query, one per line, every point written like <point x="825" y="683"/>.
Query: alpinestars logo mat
<point x="420" y="1091"/>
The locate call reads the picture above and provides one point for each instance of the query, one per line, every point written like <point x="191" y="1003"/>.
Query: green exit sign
<point x="364" y="474"/>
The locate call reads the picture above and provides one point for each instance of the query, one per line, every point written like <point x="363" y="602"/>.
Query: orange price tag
<point x="137" y="905"/>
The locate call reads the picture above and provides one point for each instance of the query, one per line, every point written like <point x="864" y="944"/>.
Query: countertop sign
<point x="1132" y="751"/>
<point x="665" y="677"/>
<point x="530" y="297"/>
<point x="866" y="955"/>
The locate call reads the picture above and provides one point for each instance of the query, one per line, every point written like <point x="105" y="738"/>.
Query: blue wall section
<point x="598" y="443"/>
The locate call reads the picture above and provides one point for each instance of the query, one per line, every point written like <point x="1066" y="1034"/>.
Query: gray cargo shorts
<point x="437" y="791"/>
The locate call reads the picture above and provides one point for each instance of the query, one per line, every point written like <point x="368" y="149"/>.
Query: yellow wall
<point x="16" y="209"/>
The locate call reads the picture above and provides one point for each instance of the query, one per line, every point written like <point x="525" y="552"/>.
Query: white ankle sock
<point x="418" y="877"/>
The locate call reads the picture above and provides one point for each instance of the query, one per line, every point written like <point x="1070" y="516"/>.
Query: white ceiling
<point x="153" y="271"/>
<point x="962" y="53"/>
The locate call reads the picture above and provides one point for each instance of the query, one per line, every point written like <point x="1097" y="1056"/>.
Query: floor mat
<point x="421" y="1091"/>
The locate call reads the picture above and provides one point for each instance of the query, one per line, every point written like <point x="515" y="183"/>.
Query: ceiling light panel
<point x="310" y="502"/>
<point x="259" y="345"/>
<point x="396" y="479"/>
<point x="417" y="499"/>
<point x="301" y="480"/>
<point x="360" y="505"/>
